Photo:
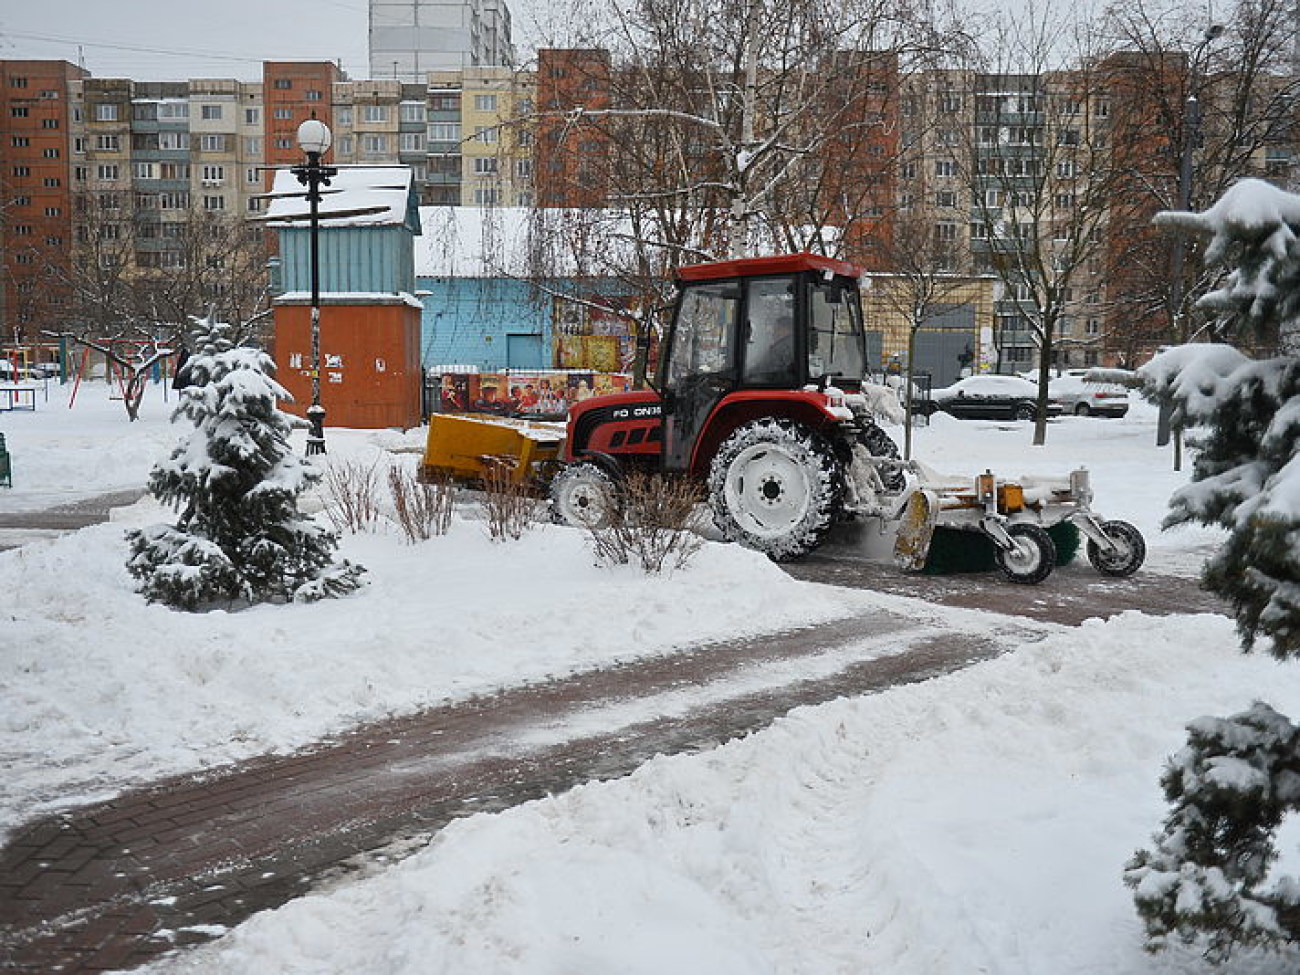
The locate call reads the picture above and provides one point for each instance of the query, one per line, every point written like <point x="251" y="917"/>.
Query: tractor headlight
<point x="986" y="488"/>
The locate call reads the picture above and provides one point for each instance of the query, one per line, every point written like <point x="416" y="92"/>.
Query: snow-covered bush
<point x="236" y="482"/>
<point x="1230" y="787"/>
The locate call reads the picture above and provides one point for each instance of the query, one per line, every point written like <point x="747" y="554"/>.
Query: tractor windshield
<point x="836" y="343"/>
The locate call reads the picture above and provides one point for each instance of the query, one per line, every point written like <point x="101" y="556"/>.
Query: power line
<point x="138" y="49"/>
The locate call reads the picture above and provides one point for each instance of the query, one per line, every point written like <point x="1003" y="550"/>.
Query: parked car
<point x="988" y="398"/>
<point x="1084" y="397"/>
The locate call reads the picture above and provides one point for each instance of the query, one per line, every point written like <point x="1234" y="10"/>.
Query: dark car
<point x="988" y="398"/>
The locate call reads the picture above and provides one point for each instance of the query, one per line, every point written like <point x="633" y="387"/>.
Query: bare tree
<point x="1041" y="167"/>
<point x="1220" y="95"/>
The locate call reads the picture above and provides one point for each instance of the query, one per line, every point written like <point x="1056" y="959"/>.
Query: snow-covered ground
<point x="975" y="823"/>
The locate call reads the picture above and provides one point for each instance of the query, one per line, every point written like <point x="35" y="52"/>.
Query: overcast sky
<point x="172" y="40"/>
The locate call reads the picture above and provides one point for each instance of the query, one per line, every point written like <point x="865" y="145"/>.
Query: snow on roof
<point x="360" y="196"/>
<point x="489" y="242"/>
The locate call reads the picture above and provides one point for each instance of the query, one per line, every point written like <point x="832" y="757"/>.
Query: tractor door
<point x="699" y="367"/>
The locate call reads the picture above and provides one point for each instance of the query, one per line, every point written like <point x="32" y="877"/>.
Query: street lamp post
<point x="314" y="139"/>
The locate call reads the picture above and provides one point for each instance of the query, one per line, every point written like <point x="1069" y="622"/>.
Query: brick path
<point x="114" y="884"/>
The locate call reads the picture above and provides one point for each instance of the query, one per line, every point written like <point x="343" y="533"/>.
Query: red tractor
<point x="759" y="396"/>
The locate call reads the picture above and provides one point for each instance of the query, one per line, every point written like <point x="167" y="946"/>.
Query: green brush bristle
<point x="1065" y="536"/>
<point x="953" y="551"/>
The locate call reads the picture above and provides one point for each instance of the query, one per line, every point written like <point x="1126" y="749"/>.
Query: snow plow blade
<point x="462" y="447"/>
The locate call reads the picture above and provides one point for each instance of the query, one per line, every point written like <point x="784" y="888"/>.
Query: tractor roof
<point x="750" y="267"/>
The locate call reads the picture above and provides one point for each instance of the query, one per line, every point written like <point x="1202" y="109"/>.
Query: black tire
<point x="1082" y="409"/>
<point x="1033" y="558"/>
<point x="1025" y="411"/>
<point x="881" y="444"/>
<point x="1131" y="550"/>
<point x="583" y="496"/>
<point x="776" y="487"/>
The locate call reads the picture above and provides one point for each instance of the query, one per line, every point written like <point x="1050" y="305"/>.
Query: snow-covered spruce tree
<point x="240" y="536"/>
<point x="1208" y="875"/>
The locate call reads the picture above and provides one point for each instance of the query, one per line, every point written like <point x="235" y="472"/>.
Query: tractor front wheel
<point x="777" y="487"/>
<point x="1126" y="557"/>
<point x="1032" y="556"/>
<point x="583" y="495"/>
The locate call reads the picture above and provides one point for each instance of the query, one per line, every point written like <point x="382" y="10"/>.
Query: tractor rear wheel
<point x="583" y="495"/>
<point x="1032" y="557"/>
<point x="777" y="487"/>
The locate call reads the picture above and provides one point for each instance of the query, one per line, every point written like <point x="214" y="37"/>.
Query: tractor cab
<point x="775" y="329"/>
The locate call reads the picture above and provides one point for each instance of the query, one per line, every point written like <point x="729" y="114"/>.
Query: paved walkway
<point x="115" y="884"/>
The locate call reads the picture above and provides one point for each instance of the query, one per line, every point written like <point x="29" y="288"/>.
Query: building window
<point x="49" y="94"/>
<point x="175" y="170"/>
<point x="105" y="112"/>
<point x="19" y="141"/>
<point x="252" y="116"/>
<point x="23" y="230"/>
<point x="211" y="113"/>
<point x="284" y="114"/>
<point x="17" y="82"/>
<point x="373" y="145"/>
<point x="253" y="145"/>
<point x="214" y="203"/>
<point x="52" y="182"/>
<point x="945" y="198"/>
<point x="485" y="103"/>
<point x="411" y="111"/>
<point x="487" y="196"/>
<point x="252" y="175"/>
<point x="49" y="123"/>
<point x="944" y="167"/>
<point x="524" y="168"/>
<point x="108" y="143"/>
<point x="412" y="142"/>
<point x="343" y="115"/>
<point x="22" y="170"/>
<point x="444" y="132"/>
<point x="375" y="113"/>
<point x="283" y="143"/>
<point x="174" y="201"/>
<point x="19" y="111"/>
<point x="214" y="174"/>
<point x="52" y="211"/>
<point x="945" y="232"/>
<point x="172" y="141"/>
<point x="107" y="172"/>
<point x="485" y="166"/>
<point x="488" y="134"/>
<point x="283" y="84"/>
<point x="212" y="143"/>
<point x="79" y="144"/>
<point x="312" y="95"/>
<point x="174" y="110"/>
<point x="345" y="146"/>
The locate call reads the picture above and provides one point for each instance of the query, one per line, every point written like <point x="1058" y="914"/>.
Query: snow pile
<point x="975" y="823"/>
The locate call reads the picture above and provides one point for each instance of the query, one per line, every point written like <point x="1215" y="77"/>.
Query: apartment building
<point x="410" y="38"/>
<point x="35" y="191"/>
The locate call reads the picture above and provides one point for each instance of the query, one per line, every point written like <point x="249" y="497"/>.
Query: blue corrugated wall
<point x="352" y="259"/>
<point x="468" y="321"/>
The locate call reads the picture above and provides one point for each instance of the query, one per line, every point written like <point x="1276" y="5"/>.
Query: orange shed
<point x="370" y="359"/>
